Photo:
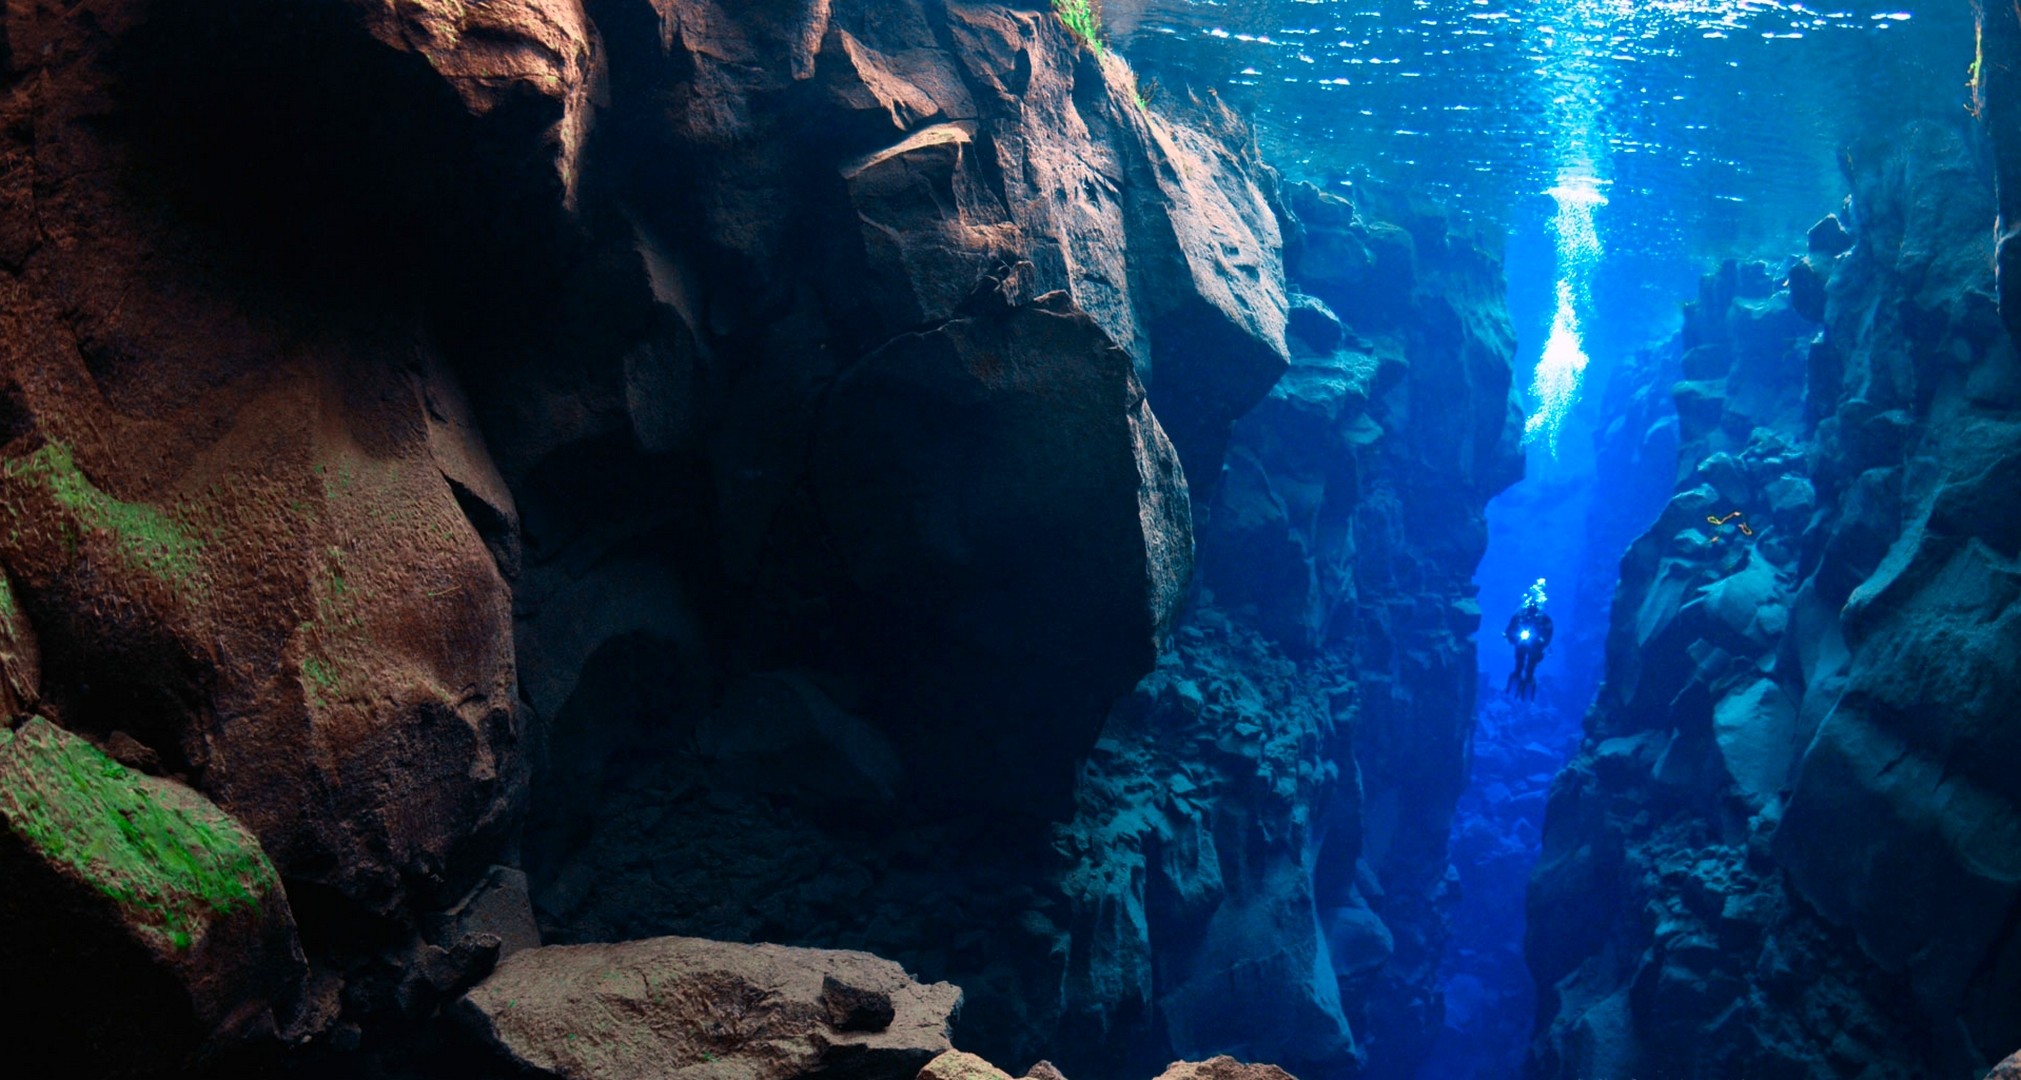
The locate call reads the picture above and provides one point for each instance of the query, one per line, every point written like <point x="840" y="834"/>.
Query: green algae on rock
<point x="144" y="536"/>
<point x="168" y="858"/>
<point x="156" y="937"/>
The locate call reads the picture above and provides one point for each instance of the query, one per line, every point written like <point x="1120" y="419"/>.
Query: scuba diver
<point x="1529" y="630"/>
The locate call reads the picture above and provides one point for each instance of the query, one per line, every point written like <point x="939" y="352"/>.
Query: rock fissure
<point x="1830" y="840"/>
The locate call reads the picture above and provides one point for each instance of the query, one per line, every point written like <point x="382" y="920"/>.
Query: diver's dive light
<point x="1525" y="635"/>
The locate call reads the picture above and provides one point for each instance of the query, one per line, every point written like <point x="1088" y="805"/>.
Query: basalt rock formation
<point x="1267" y="815"/>
<point x="390" y="390"/>
<point x="1787" y="846"/>
<point x="1332" y="639"/>
<point x="590" y="471"/>
<point x="1210" y="828"/>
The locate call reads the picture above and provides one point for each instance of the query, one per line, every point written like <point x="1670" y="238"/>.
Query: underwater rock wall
<point x="1423" y="305"/>
<point x="1316" y="705"/>
<point x="1785" y="848"/>
<point x="422" y="421"/>
<point x="1210" y="826"/>
<point x="595" y="471"/>
<point x="245" y="550"/>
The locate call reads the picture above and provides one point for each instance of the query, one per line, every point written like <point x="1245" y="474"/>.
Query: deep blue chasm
<point x="1713" y="131"/>
<point x="1566" y="522"/>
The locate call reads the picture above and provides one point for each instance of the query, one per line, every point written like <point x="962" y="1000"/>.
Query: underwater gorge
<point x="950" y="540"/>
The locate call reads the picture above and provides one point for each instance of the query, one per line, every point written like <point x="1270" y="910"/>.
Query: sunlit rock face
<point x="1785" y="849"/>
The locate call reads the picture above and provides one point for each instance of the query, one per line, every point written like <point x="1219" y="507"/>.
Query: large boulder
<point x="130" y="884"/>
<point x="686" y="1007"/>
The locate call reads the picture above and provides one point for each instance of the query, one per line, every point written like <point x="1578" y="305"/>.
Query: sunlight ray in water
<point x="1554" y="389"/>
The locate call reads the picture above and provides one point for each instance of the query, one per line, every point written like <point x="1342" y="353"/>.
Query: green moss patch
<point x="144" y="536"/>
<point x="169" y="858"/>
<point x="1084" y="18"/>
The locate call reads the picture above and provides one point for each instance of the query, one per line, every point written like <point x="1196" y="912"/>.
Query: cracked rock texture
<point x="1787" y="845"/>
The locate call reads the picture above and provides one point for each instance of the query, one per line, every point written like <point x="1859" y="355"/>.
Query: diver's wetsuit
<point x="1529" y="630"/>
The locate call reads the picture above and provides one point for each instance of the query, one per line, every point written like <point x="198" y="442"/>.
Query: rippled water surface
<point x="1706" y="126"/>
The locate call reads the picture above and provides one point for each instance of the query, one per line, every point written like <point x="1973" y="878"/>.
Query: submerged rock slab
<point x="689" y="1009"/>
<point x="1222" y="1068"/>
<point x="117" y="879"/>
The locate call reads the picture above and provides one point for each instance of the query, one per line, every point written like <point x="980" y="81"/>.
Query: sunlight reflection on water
<point x="1716" y="121"/>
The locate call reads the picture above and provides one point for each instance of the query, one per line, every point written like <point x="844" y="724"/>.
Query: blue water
<point x="1615" y="148"/>
<point x="1712" y="126"/>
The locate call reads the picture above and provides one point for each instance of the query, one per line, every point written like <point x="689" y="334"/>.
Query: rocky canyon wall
<point x="483" y="474"/>
<point x="1786" y="846"/>
<point x="1261" y="848"/>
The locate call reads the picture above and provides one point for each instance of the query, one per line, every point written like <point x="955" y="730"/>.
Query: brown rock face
<point x="539" y="60"/>
<point x="682" y="1007"/>
<point x="249" y="531"/>
<point x="2009" y="1069"/>
<point x="775" y="381"/>
<point x="20" y="657"/>
<point x="284" y="602"/>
